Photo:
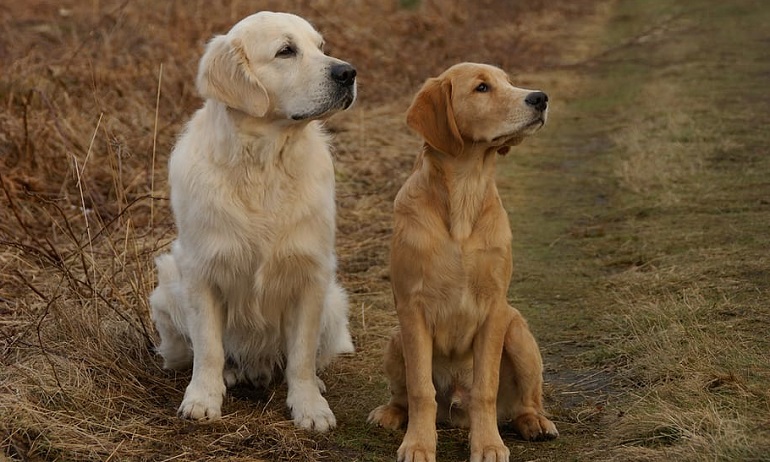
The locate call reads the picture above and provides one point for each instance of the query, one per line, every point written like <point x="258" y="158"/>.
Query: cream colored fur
<point x="249" y="285"/>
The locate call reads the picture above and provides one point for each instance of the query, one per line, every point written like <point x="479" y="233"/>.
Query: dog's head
<point x="473" y="104"/>
<point x="273" y="65"/>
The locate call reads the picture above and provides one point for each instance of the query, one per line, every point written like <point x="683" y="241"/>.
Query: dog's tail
<point x="168" y="272"/>
<point x="167" y="315"/>
<point x="335" y="336"/>
<point x="162" y="298"/>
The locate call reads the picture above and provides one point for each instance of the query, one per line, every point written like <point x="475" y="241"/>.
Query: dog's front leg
<point x="419" y="444"/>
<point x="203" y="397"/>
<point x="486" y="443"/>
<point x="309" y="409"/>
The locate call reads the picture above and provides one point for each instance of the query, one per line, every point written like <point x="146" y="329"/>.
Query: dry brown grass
<point x="93" y="95"/>
<point x="641" y="227"/>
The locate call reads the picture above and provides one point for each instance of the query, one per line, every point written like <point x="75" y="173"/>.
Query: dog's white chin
<point x="517" y="136"/>
<point x="327" y="108"/>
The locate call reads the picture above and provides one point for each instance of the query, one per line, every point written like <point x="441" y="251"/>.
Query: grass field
<point x="641" y="219"/>
<point x="649" y="262"/>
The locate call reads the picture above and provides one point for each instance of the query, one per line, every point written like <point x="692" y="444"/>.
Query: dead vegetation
<point x="641" y="235"/>
<point x="93" y="95"/>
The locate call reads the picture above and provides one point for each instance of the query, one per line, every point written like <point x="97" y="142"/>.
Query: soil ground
<point x="640" y="216"/>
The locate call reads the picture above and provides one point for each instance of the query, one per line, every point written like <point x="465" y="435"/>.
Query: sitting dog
<point x="462" y="354"/>
<point x="249" y="284"/>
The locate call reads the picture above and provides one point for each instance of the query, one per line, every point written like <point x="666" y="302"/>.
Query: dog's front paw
<point x="202" y="404"/>
<point x="535" y="427"/>
<point x="492" y="453"/>
<point x="388" y="416"/>
<point x="487" y="445"/>
<point x="310" y="410"/>
<point x="416" y="451"/>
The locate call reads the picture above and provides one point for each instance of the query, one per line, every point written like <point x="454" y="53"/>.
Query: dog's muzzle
<point x="341" y="93"/>
<point x="345" y="76"/>
<point x="537" y="100"/>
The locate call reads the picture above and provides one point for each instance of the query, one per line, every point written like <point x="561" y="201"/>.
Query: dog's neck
<point x="463" y="185"/>
<point x="256" y="136"/>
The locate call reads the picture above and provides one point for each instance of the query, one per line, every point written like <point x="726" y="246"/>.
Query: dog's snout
<point x="345" y="74"/>
<point x="538" y="100"/>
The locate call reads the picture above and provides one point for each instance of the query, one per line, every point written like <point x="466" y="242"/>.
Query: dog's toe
<point x="311" y="411"/>
<point x="320" y="420"/>
<point x="199" y="411"/>
<point x="321" y="384"/>
<point x="388" y="416"/>
<point x="535" y="427"/>
<point x="492" y="454"/>
<point x="488" y="446"/>
<point x="202" y="403"/>
<point x="416" y="453"/>
<point x="232" y="377"/>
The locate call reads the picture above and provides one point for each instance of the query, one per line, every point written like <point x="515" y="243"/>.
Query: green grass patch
<point x="683" y="313"/>
<point x="640" y="218"/>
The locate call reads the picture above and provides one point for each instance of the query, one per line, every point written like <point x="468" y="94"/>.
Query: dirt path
<point x="623" y="203"/>
<point x="546" y="189"/>
<point x="606" y="205"/>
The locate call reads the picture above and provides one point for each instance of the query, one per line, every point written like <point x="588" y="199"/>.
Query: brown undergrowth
<point x="93" y="95"/>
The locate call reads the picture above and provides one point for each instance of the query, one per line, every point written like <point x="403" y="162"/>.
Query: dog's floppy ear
<point x="224" y="75"/>
<point x="431" y="115"/>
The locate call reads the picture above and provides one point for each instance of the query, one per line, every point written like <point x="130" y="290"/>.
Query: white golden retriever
<point x="249" y="285"/>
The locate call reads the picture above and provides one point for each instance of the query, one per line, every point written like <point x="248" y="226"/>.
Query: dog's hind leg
<point x="521" y="383"/>
<point x="174" y="345"/>
<point x="394" y="414"/>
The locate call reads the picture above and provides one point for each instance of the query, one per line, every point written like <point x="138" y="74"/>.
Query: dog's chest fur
<point x="458" y="230"/>
<point x="252" y="239"/>
<point x="478" y="280"/>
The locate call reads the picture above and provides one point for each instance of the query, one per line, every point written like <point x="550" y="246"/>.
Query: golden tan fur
<point x="450" y="270"/>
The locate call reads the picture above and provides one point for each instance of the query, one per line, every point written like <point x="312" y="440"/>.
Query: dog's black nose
<point x="538" y="100"/>
<point x="344" y="74"/>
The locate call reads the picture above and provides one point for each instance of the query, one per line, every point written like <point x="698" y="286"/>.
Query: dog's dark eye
<point x="286" y="52"/>
<point x="482" y="88"/>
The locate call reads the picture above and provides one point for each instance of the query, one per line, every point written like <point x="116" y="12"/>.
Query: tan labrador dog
<point x="462" y="355"/>
<point x="249" y="286"/>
